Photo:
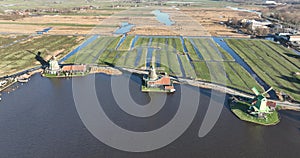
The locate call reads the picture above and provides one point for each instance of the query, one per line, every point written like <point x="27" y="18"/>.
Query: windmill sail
<point x="255" y="91"/>
<point x="271" y="88"/>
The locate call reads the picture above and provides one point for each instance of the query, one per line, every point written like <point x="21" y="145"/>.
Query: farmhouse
<point x="254" y="24"/>
<point x="74" y="69"/>
<point x="55" y="69"/>
<point x="294" y="38"/>
<point x="161" y="82"/>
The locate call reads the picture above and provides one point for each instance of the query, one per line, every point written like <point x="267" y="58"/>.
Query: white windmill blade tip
<point x="271" y="88"/>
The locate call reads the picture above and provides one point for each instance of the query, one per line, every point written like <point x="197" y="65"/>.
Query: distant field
<point x="211" y="64"/>
<point x="8" y="39"/>
<point x="16" y="4"/>
<point x="22" y="55"/>
<point x="275" y="64"/>
<point x="92" y="52"/>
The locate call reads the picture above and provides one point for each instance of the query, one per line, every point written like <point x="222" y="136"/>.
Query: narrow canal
<point x="240" y="61"/>
<point x="84" y="44"/>
<point x="134" y="41"/>
<point x="122" y="39"/>
<point x="196" y="49"/>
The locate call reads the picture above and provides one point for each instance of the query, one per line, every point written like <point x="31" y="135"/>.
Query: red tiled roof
<point x="295" y="36"/>
<point x="162" y="81"/>
<point x="74" y="68"/>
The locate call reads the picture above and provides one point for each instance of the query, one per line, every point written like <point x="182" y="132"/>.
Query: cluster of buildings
<point x="261" y="27"/>
<point x="55" y="69"/>
<point x="288" y="38"/>
<point x="258" y="27"/>
<point x="254" y="24"/>
<point x="154" y="82"/>
<point x="35" y="11"/>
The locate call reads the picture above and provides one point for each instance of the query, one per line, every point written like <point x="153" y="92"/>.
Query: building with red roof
<point x="161" y="83"/>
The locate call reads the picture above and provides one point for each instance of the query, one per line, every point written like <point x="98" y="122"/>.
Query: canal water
<point x="125" y="28"/>
<point x="220" y="41"/>
<point x="163" y="17"/>
<point x="84" y="44"/>
<point x="40" y="120"/>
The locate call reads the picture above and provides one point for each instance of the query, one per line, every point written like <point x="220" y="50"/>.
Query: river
<point x="39" y="119"/>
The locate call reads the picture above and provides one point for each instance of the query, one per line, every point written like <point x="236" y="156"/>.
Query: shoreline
<point x="213" y="86"/>
<point x="7" y="86"/>
<point x="114" y="71"/>
<point x="18" y="78"/>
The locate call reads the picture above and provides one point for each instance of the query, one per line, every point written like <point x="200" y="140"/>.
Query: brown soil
<point x="188" y="22"/>
<point x="210" y="19"/>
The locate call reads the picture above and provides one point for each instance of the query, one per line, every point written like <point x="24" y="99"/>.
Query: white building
<point x="253" y="24"/>
<point x="294" y="38"/>
<point x="271" y="3"/>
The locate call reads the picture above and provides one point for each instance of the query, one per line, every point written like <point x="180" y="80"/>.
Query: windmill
<point x="260" y="104"/>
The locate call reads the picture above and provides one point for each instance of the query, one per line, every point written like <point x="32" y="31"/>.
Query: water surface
<point x="40" y="120"/>
<point x="125" y="28"/>
<point x="163" y="17"/>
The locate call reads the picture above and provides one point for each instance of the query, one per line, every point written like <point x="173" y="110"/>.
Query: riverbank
<point x="20" y="78"/>
<point x="240" y="110"/>
<point x="105" y="70"/>
<point x="7" y="85"/>
<point x="220" y="88"/>
<point x="197" y="83"/>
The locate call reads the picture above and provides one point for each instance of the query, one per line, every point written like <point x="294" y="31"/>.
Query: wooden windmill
<point x="260" y="104"/>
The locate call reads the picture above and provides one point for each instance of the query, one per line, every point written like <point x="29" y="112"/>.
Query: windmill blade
<point x="268" y="90"/>
<point x="32" y="52"/>
<point x="255" y="91"/>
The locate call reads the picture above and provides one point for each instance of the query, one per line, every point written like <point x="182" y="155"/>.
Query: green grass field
<point x="216" y="66"/>
<point x="22" y="55"/>
<point x="91" y="53"/>
<point x="125" y="46"/>
<point x="208" y="49"/>
<point x="275" y="64"/>
<point x="142" y="42"/>
<point x="213" y="63"/>
<point x="8" y="39"/>
<point x="104" y="5"/>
